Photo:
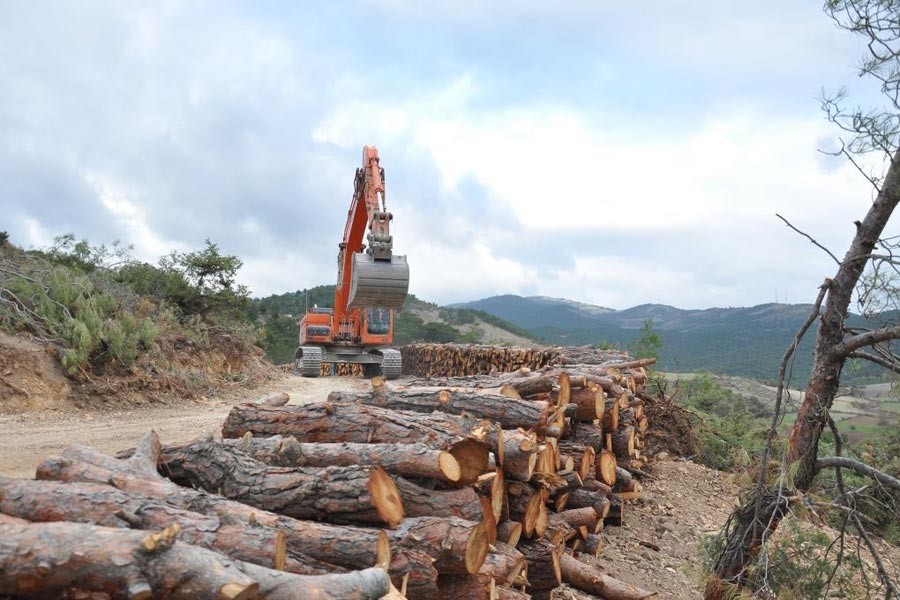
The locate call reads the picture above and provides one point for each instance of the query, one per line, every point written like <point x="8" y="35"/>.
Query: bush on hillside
<point x="98" y="307"/>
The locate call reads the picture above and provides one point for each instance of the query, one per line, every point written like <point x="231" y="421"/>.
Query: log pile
<point x="492" y="487"/>
<point x="543" y="460"/>
<point x="463" y="360"/>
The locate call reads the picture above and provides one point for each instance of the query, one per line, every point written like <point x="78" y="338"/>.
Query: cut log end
<point x="477" y="548"/>
<point x="449" y="466"/>
<point x="385" y="497"/>
<point x="239" y="591"/>
<point x="471" y="457"/>
<point x="382" y="551"/>
<point x="606" y="467"/>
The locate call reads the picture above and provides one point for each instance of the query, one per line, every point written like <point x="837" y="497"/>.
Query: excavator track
<point x="308" y="361"/>
<point x="391" y="363"/>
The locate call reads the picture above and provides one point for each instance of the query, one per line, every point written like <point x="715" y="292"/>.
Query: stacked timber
<point x="341" y="369"/>
<point x="537" y="458"/>
<point x="494" y="487"/>
<point x="466" y="360"/>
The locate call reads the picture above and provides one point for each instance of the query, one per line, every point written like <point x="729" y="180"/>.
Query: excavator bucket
<point x="378" y="282"/>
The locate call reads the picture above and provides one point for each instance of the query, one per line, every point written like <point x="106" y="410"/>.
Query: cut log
<point x="335" y="422"/>
<point x="578" y="518"/>
<point x="590" y="580"/>
<point x="583" y="497"/>
<point x="590" y="401"/>
<point x="605" y="470"/>
<point x="589" y="434"/>
<point x="11" y="520"/>
<point x="51" y="559"/>
<point x="625" y="482"/>
<point x="419" y="501"/>
<point x="368" y="584"/>
<point x="543" y="567"/>
<point x="623" y="442"/>
<point x="509" y="412"/>
<point x="529" y="386"/>
<point x="97" y="504"/>
<point x="335" y="494"/>
<point x="526" y="505"/>
<point x="616" y="513"/>
<point x="610" y="418"/>
<point x="504" y="566"/>
<point x="409" y="460"/>
<point x="347" y="546"/>
<point x="516" y="451"/>
<point x="509" y="532"/>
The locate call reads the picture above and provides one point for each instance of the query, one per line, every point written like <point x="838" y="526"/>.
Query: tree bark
<point x="408" y="460"/>
<point x="50" y="559"/>
<point x="509" y="412"/>
<point x="333" y="494"/>
<point x="830" y="354"/>
<point x="336" y="422"/>
<point x="543" y="567"/>
<point x="347" y="546"/>
<point x="588" y="579"/>
<point x="422" y="502"/>
<point x="97" y="504"/>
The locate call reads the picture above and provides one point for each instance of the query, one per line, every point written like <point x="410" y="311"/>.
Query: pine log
<point x="509" y="532"/>
<point x="589" y="434"/>
<point x="97" y="504"/>
<point x="536" y="384"/>
<point x="419" y="501"/>
<point x="347" y="546"/>
<point x="408" y="460"/>
<point x="509" y="412"/>
<point x="335" y="494"/>
<point x="335" y="422"/>
<point x="51" y="559"/>
<point x="276" y="399"/>
<point x="578" y="518"/>
<point x="528" y="506"/>
<point x="624" y="480"/>
<point x="623" y="442"/>
<point x="504" y="566"/>
<point x="590" y="401"/>
<point x="582" y="498"/>
<point x="611" y="414"/>
<point x="368" y="584"/>
<point x="588" y="579"/>
<point x="605" y="470"/>
<point x="516" y="451"/>
<point x="543" y="566"/>
<point x="332" y="422"/>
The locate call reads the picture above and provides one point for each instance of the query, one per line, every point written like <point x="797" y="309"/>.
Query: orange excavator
<point x="372" y="283"/>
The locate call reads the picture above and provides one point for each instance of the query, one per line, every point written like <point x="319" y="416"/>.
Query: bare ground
<point x="28" y="437"/>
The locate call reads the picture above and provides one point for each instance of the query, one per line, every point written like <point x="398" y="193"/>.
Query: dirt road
<point x="28" y="438"/>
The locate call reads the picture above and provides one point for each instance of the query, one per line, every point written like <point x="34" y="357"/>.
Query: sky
<point x="607" y="152"/>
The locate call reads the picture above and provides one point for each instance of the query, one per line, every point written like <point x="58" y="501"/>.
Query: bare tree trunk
<point x="754" y="521"/>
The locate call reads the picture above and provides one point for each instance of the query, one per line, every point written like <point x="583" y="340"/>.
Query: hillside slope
<point x="747" y="341"/>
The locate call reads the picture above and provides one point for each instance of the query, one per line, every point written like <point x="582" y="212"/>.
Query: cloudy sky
<point x="610" y="152"/>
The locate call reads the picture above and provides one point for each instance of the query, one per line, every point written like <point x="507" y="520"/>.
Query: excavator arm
<point x="369" y="276"/>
